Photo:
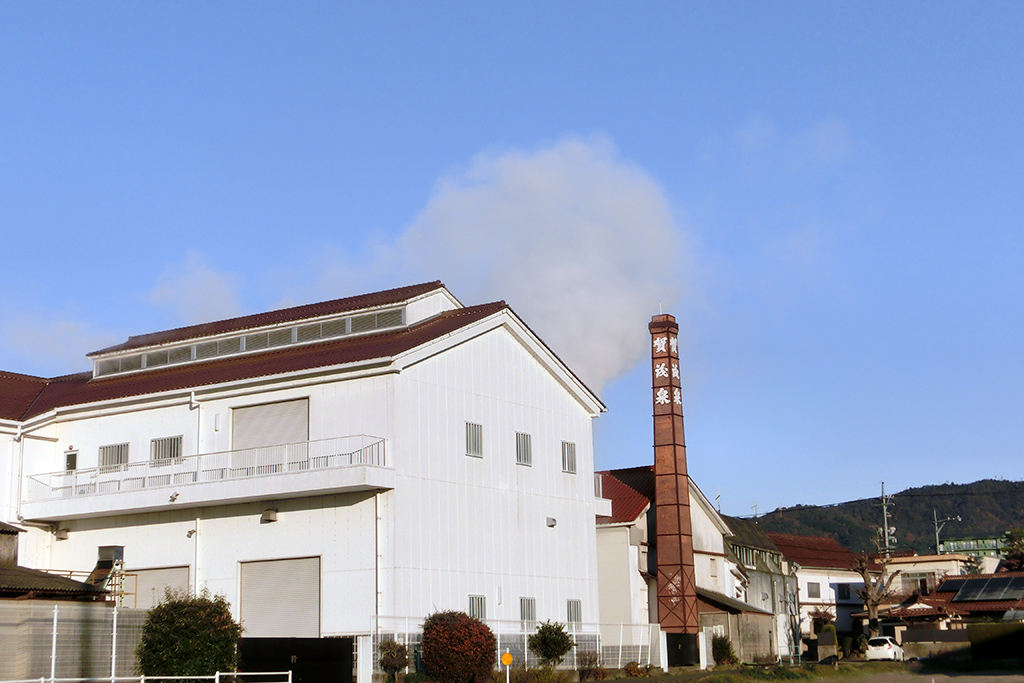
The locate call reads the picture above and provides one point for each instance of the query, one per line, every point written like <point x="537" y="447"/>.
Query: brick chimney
<point x="677" y="587"/>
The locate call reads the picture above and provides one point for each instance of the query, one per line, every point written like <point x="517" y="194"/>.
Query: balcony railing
<point x="322" y="454"/>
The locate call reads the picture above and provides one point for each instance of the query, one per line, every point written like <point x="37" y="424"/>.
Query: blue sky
<point x="828" y="196"/>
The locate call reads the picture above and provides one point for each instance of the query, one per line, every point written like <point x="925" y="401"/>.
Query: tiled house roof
<point x="17" y="392"/>
<point x="84" y="388"/>
<point x="813" y="551"/>
<point x="631" y="492"/>
<point x="749" y="534"/>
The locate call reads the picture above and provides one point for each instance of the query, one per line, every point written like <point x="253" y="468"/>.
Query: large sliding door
<point x="270" y="424"/>
<point x="150" y="584"/>
<point x="281" y="598"/>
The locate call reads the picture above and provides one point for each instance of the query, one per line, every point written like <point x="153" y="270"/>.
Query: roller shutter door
<point x="281" y="598"/>
<point x="270" y="424"/>
<point x="151" y="583"/>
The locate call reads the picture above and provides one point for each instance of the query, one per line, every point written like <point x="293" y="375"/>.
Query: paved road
<point x="989" y="677"/>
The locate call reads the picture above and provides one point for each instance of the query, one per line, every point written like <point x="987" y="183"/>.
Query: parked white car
<point x="884" y="647"/>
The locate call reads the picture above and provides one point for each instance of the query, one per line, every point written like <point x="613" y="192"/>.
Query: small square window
<point x="813" y="589"/>
<point x="478" y="607"/>
<point x="573" y="611"/>
<point x="114" y="457"/>
<point x="474" y="440"/>
<point x="843" y="591"/>
<point x="165" y="451"/>
<point x="70" y="461"/>
<point x="528" y="609"/>
<point x="524" y="449"/>
<point x="569" y="457"/>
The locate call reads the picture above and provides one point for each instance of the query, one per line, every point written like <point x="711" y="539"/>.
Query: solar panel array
<point x="950" y="585"/>
<point x="995" y="588"/>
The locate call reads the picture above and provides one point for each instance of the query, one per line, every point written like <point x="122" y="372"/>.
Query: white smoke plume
<point x="580" y="242"/>
<point x="197" y="292"/>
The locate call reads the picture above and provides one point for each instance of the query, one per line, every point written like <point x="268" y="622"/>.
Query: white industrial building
<point x="328" y="468"/>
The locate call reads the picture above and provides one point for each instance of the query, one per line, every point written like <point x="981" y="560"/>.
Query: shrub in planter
<point x="634" y="670"/>
<point x="189" y="635"/>
<point x="551" y="643"/>
<point x="458" y="648"/>
<point x="588" y="665"/>
<point x="721" y="650"/>
<point x="393" y="658"/>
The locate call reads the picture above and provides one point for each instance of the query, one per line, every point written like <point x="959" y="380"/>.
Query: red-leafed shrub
<point x="458" y="648"/>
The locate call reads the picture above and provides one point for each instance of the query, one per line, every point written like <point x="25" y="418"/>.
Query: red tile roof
<point x="83" y="388"/>
<point x="631" y="490"/>
<point x="284" y="315"/>
<point x="813" y="551"/>
<point x="17" y="392"/>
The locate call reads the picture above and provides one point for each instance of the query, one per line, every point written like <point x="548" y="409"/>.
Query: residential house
<point x="922" y="574"/>
<point x="337" y="470"/>
<point x="826" y="579"/>
<point x="627" y="560"/>
<point x="767" y="581"/>
<point x="959" y="600"/>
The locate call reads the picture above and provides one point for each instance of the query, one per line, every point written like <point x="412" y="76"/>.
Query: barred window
<point x="478" y="607"/>
<point x="474" y="440"/>
<point x="165" y="451"/>
<point x="573" y="611"/>
<point x="524" y="449"/>
<point x="113" y="457"/>
<point x="528" y="609"/>
<point x="569" y="457"/>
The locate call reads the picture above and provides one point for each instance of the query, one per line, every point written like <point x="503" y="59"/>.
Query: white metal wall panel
<point x="281" y="598"/>
<point x="270" y="424"/>
<point x="151" y="583"/>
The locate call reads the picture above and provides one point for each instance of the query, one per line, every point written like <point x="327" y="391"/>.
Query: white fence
<point x="72" y="640"/>
<point x="617" y="644"/>
<point x="343" y="451"/>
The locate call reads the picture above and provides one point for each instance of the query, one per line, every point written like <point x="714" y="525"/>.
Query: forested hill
<point x="987" y="508"/>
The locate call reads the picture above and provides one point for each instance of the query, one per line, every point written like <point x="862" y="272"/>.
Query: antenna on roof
<point x="718" y="500"/>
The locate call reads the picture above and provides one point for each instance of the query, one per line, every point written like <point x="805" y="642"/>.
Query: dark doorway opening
<point x="311" y="660"/>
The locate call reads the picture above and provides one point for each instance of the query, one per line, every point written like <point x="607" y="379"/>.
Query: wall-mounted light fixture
<point x="269" y="515"/>
<point x="551" y="521"/>
<point x="60" y="534"/>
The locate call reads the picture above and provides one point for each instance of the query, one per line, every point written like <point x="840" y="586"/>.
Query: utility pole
<point x="887" y="533"/>
<point x="939" y="523"/>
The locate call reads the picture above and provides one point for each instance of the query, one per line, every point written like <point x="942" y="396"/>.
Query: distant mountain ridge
<point x="987" y="508"/>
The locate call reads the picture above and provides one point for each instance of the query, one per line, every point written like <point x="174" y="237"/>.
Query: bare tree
<point x="877" y="586"/>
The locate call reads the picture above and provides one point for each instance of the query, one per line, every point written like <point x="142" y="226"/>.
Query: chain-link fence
<point x="46" y="639"/>
<point x="617" y="644"/>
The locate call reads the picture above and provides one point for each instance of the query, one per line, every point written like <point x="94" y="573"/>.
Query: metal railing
<point x="343" y="451"/>
<point x="617" y="644"/>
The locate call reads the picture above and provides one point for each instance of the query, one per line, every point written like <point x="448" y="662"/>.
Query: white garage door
<point x="150" y="584"/>
<point x="281" y="598"/>
<point x="270" y="424"/>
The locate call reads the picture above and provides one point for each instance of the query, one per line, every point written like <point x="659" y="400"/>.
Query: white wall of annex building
<point x="339" y="529"/>
<point x="477" y="526"/>
<point x="453" y="526"/>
